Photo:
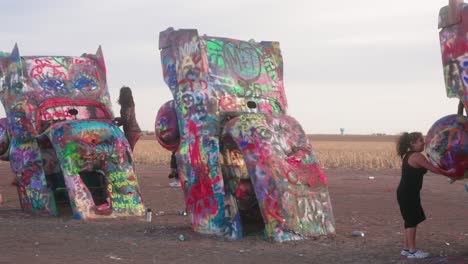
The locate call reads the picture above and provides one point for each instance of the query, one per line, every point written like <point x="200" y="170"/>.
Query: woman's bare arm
<point x="418" y="160"/>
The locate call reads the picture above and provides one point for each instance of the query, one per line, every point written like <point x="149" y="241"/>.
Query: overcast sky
<point x="365" y="65"/>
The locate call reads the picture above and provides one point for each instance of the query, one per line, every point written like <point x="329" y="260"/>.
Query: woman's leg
<point x="405" y="240"/>
<point x="410" y="238"/>
<point x="132" y="140"/>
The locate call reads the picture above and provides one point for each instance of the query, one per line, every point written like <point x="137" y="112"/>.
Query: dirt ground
<point x="359" y="203"/>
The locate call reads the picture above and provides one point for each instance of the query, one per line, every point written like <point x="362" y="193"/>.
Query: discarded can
<point x="466" y="187"/>
<point x="148" y="215"/>
<point x="182" y="212"/>
<point x="181" y="237"/>
<point x="357" y="234"/>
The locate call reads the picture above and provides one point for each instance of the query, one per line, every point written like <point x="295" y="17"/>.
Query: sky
<point x="366" y="66"/>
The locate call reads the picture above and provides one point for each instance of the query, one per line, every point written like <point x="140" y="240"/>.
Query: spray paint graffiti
<point x="60" y="139"/>
<point x="240" y="157"/>
<point x="454" y="48"/>
<point x="446" y="141"/>
<point x="447" y="144"/>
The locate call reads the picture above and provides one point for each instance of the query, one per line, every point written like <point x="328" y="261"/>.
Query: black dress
<point x="408" y="193"/>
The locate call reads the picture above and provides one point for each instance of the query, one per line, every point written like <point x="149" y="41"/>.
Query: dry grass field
<point x="334" y="151"/>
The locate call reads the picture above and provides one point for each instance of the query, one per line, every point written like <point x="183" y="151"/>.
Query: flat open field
<point x="359" y="203"/>
<point x="353" y="138"/>
<point x="331" y="137"/>
<point x="334" y="151"/>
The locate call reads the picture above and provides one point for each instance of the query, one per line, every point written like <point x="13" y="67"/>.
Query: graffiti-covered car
<point x="447" y="139"/>
<point x="66" y="153"/>
<point x="245" y="165"/>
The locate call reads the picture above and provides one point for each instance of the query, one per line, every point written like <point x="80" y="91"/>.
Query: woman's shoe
<point x="418" y="254"/>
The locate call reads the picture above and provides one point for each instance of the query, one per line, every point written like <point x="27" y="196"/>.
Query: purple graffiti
<point x="241" y="159"/>
<point x="60" y="139"/>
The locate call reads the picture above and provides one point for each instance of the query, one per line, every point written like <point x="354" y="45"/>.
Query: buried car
<point x="447" y="139"/>
<point x="59" y="136"/>
<point x="245" y="165"/>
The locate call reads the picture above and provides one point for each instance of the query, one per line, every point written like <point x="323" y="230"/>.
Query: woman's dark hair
<point x="405" y="140"/>
<point x="126" y="97"/>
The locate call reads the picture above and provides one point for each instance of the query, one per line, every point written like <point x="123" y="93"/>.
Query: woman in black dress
<point x="127" y="117"/>
<point x="414" y="166"/>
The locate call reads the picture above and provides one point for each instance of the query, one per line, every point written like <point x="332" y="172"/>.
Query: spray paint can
<point x="149" y="215"/>
<point x="357" y="234"/>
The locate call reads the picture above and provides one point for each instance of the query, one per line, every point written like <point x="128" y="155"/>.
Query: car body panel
<point x="223" y="87"/>
<point x="61" y="136"/>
